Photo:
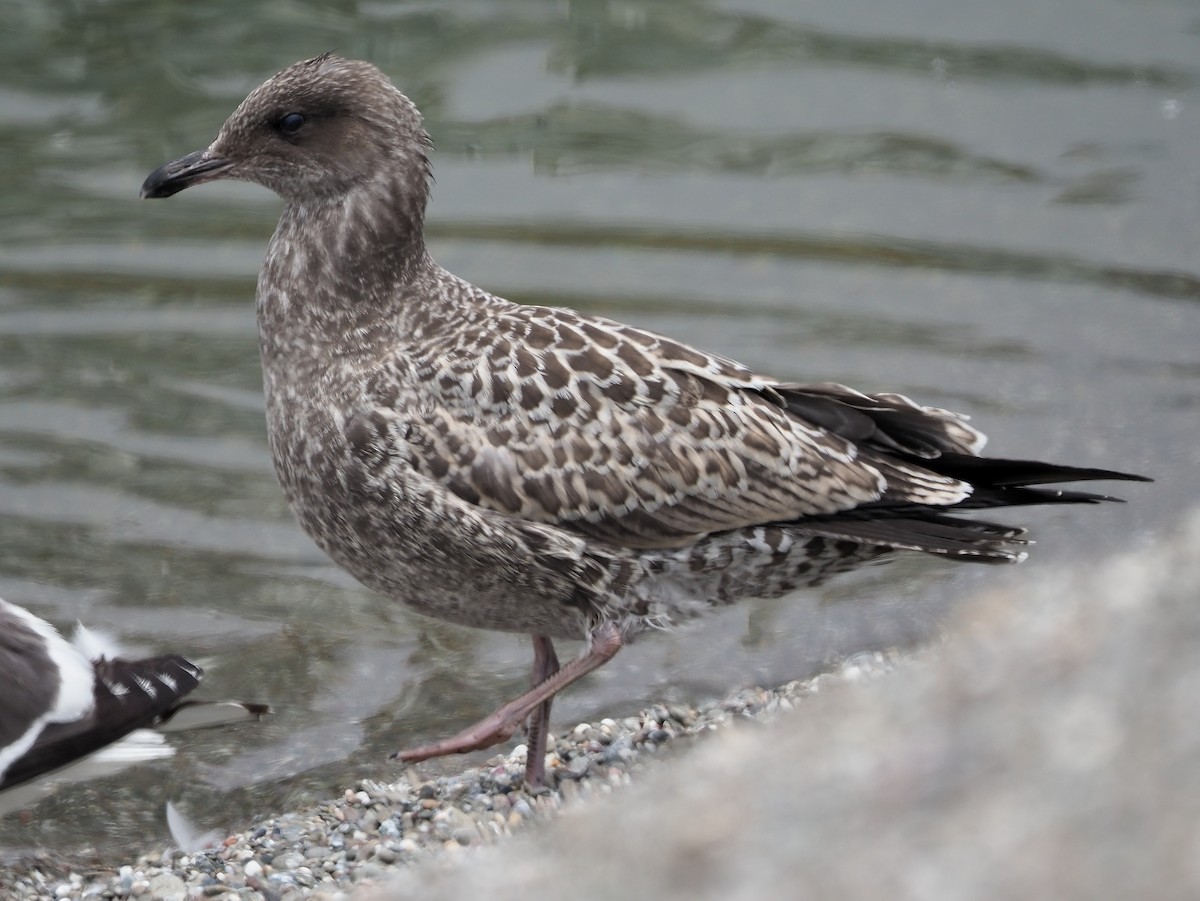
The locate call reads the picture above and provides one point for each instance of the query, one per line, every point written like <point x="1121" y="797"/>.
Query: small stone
<point x="681" y="715"/>
<point x="368" y="871"/>
<point x="290" y="861"/>
<point x="389" y="828"/>
<point x="281" y="879"/>
<point x="620" y="751"/>
<point x="253" y="869"/>
<point x="167" y="887"/>
<point x="124" y="886"/>
<point x="384" y="854"/>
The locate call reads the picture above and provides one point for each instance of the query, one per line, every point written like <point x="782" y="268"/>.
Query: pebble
<point x="373" y="827"/>
<point x="384" y="854"/>
<point x="167" y="887"/>
<point x="389" y="828"/>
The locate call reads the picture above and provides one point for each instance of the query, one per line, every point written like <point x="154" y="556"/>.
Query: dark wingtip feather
<point x="129" y="695"/>
<point x="998" y="472"/>
<point x="995" y="482"/>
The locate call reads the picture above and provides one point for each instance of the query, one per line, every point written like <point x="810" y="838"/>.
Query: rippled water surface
<point x="992" y="207"/>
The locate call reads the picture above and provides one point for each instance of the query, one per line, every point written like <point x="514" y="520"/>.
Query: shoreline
<point x="1047" y="748"/>
<point x="362" y="838"/>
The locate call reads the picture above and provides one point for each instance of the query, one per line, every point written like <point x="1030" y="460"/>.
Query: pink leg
<point x="545" y="665"/>
<point x="500" y="725"/>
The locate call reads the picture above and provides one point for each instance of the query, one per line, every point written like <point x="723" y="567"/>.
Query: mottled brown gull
<point x="538" y="470"/>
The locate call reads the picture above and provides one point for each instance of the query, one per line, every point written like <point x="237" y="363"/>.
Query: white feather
<point x="94" y="644"/>
<point x="75" y="691"/>
<point x="187" y="834"/>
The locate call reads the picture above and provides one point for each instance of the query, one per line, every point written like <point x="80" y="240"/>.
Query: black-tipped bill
<point x="193" y="169"/>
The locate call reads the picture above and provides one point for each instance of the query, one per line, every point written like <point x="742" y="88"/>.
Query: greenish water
<point x="990" y="207"/>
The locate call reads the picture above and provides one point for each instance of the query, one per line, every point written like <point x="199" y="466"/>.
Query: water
<point x="992" y="208"/>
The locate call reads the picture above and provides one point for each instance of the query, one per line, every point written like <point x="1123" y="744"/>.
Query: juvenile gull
<point x="538" y="470"/>
<point x="63" y="702"/>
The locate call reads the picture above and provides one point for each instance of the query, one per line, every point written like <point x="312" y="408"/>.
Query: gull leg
<point x="500" y="725"/>
<point x="545" y="665"/>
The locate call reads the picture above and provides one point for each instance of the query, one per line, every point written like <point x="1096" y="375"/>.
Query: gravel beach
<point x="360" y="838"/>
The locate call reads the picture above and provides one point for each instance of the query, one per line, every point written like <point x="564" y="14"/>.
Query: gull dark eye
<point x="290" y="123"/>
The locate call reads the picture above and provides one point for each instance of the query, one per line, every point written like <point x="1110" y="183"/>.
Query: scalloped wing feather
<point x="625" y="436"/>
